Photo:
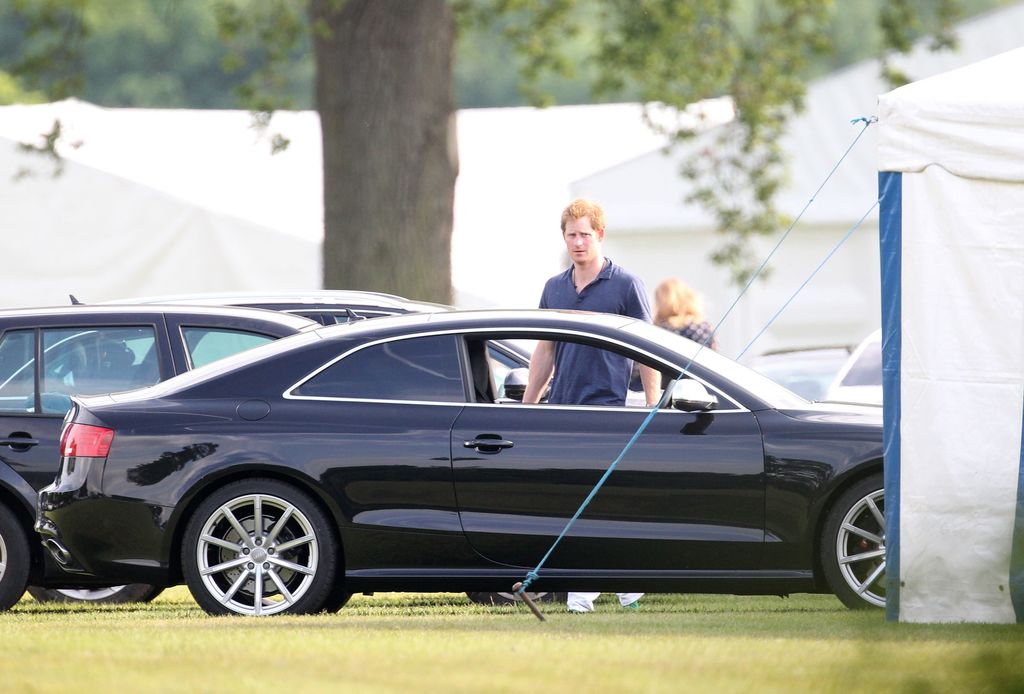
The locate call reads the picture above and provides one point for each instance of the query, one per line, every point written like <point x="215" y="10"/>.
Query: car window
<point x="17" y="371"/>
<point x="89" y="361"/>
<point x="867" y="369"/>
<point x="501" y="363"/>
<point x="425" y="369"/>
<point x="207" y="344"/>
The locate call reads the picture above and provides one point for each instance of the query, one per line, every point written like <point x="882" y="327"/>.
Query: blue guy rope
<point x="534" y="574"/>
<point x="809" y="278"/>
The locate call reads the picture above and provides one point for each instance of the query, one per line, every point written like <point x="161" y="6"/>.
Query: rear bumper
<point x="102" y="540"/>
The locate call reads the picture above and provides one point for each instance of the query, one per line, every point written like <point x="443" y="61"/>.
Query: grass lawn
<point x="424" y="642"/>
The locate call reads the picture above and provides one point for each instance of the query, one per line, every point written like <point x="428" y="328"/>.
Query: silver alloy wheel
<point x="3" y="557"/>
<point x="257" y="554"/>
<point x="860" y="548"/>
<point x="87" y="595"/>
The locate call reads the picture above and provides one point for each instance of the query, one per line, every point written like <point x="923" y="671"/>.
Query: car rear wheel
<point x="260" y="547"/>
<point x="13" y="559"/>
<point x="133" y="592"/>
<point x="853" y="545"/>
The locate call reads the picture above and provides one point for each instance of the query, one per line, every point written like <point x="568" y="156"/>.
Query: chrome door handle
<point x="488" y="445"/>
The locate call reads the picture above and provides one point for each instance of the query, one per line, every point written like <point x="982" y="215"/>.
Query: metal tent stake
<point x="518" y="589"/>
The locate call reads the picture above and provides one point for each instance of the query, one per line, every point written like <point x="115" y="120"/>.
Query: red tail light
<point x="85" y="440"/>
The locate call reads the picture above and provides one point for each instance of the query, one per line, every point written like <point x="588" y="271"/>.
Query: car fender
<point x="23" y="498"/>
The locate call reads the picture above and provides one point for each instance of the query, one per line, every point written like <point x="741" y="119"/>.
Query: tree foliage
<point x="673" y="52"/>
<point x="677" y="52"/>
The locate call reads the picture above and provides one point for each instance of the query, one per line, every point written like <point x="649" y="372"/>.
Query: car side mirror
<point x="515" y="383"/>
<point x="689" y="395"/>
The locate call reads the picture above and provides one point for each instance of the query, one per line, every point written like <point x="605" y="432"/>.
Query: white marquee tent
<point x="951" y="153"/>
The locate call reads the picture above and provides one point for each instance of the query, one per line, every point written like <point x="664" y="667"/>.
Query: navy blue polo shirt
<point x="587" y="375"/>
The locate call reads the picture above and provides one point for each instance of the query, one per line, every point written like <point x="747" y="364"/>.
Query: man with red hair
<point x="579" y="374"/>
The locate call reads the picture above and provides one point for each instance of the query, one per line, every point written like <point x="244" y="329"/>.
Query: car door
<point x="689" y="494"/>
<point x="374" y="425"/>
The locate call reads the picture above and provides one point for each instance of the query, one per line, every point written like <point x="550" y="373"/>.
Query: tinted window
<point x="210" y="344"/>
<point x="87" y="361"/>
<point x="17" y="371"/>
<point x="421" y="369"/>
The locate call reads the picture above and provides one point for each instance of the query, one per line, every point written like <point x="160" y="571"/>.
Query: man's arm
<point x="542" y="363"/>
<point x="652" y="384"/>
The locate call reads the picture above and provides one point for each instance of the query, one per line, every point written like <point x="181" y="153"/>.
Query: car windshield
<point x="749" y="380"/>
<point x="867" y="369"/>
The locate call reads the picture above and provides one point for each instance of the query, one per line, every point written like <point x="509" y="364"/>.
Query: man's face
<point x="582" y="241"/>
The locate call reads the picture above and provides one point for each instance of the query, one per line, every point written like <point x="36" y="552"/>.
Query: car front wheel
<point x="14" y="559"/>
<point x="853" y="545"/>
<point x="260" y="547"/>
<point x="133" y="592"/>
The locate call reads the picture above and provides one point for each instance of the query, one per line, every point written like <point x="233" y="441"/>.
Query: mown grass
<point x="425" y="642"/>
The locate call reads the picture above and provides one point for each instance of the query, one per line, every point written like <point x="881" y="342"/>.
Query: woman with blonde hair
<point x="680" y="309"/>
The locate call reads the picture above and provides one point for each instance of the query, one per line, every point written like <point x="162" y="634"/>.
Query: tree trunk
<point x="384" y="91"/>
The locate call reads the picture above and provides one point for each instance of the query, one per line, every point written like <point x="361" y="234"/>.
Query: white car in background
<point x="807" y="371"/>
<point x="860" y="379"/>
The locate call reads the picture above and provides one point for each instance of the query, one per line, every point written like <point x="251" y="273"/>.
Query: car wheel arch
<point x="25" y="515"/>
<point x="198" y="493"/>
<point x="854" y="476"/>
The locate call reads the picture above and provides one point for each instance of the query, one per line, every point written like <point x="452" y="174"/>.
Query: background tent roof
<point x="214" y="160"/>
<point x="967" y="121"/>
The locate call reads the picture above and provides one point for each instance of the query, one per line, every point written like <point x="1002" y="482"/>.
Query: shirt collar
<point x="606" y="271"/>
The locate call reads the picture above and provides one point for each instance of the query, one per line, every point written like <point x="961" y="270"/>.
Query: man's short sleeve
<point x="545" y="296"/>
<point x="635" y="302"/>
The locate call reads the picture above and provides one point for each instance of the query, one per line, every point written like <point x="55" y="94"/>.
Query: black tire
<point x="513" y="599"/>
<point x="133" y="592"/>
<point x="14" y="559"/>
<point x="337" y="598"/>
<point x="284" y="564"/>
<point x="853" y="545"/>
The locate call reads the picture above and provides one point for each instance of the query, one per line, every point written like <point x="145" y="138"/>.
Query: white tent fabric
<point x="153" y="201"/>
<point x="951" y="149"/>
<point x="165" y="201"/>
<point x="966" y="120"/>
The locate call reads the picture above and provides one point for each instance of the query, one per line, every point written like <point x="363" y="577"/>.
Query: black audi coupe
<point x="382" y="456"/>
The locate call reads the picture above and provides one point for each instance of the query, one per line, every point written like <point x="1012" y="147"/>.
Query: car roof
<point x="143" y="311"/>
<point x="540" y="318"/>
<point x="663" y="344"/>
<point x="339" y="297"/>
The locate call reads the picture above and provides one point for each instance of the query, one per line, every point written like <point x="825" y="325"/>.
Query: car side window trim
<point x="495" y="334"/>
<point x="291" y="393"/>
<point x="629" y="349"/>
